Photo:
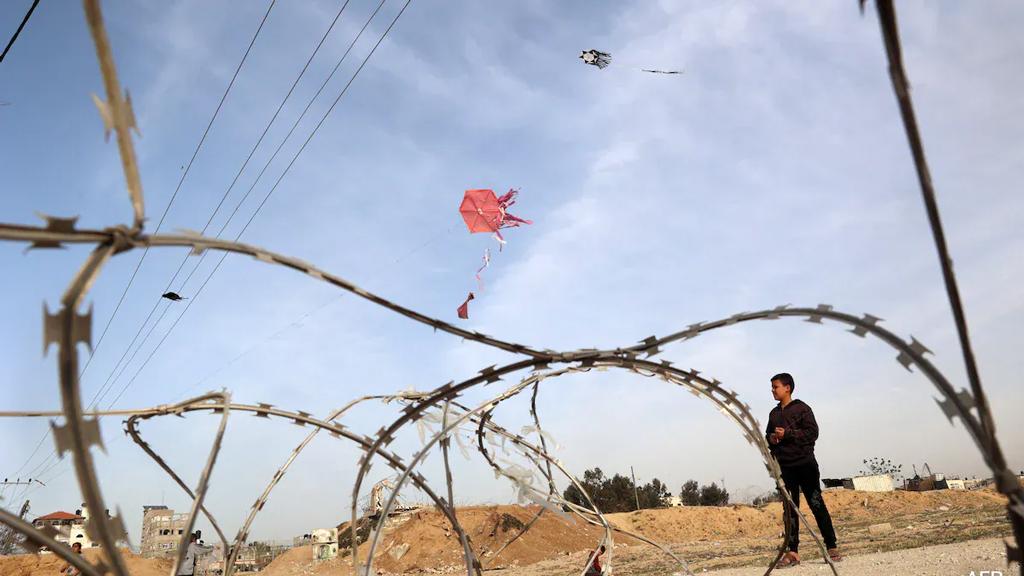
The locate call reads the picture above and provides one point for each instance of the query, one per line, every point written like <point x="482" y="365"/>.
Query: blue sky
<point x="773" y="171"/>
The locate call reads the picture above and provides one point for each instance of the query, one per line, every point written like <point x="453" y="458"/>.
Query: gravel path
<point x="958" y="559"/>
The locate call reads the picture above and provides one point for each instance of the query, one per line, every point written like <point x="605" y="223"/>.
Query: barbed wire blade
<point x="949" y="408"/>
<point x="106" y="114"/>
<point x="81" y="328"/>
<point x="90" y="434"/>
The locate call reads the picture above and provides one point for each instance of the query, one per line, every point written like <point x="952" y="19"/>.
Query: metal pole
<point x="635" y="493"/>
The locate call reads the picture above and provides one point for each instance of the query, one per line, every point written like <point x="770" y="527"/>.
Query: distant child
<point x="69" y="569"/>
<point x="595" y="566"/>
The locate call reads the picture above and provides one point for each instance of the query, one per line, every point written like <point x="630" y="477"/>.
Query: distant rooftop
<point x="60" y="515"/>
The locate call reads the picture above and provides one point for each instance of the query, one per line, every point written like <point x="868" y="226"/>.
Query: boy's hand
<point x="780" y="433"/>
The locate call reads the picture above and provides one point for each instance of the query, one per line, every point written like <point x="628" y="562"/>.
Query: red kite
<point x="483" y="211"/>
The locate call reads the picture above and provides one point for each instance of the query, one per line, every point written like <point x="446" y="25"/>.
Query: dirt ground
<point x="876" y="531"/>
<point x="703" y="537"/>
<point x="50" y="564"/>
<point x="957" y="559"/>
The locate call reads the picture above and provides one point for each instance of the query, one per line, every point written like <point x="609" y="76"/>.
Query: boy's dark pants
<point x="806" y="478"/>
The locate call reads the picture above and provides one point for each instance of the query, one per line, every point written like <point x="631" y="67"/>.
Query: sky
<point x="774" y="170"/>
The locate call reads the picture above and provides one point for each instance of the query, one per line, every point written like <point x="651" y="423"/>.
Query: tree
<point x="616" y="494"/>
<point x="878" y="465"/>
<point x="713" y="496"/>
<point x="690" y="493"/>
<point x="654" y="494"/>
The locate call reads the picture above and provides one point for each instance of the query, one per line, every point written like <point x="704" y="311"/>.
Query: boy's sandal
<point x="787" y="561"/>
<point x="834" y="555"/>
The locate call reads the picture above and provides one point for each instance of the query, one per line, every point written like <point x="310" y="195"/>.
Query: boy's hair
<point x="786" y="379"/>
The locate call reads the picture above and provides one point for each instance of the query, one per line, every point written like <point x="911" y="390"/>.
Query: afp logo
<point x="986" y="573"/>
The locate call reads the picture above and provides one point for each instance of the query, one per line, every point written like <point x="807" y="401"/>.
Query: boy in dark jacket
<point x="791" y="434"/>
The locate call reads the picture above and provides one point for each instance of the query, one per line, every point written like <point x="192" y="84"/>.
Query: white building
<point x="873" y="483"/>
<point x="70" y="527"/>
<point x="325" y="543"/>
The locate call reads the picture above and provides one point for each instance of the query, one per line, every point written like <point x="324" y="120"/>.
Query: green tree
<point x="654" y="494"/>
<point x="616" y="494"/>
<point x="712" y="495"/>
<point x="690" y="494"/>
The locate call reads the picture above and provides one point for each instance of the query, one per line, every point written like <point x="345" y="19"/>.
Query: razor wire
<point x="80" y="431"/>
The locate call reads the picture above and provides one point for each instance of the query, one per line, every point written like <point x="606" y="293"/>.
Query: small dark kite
<point x="596" y="58"/>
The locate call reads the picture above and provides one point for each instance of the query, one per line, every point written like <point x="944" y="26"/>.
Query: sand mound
<point x="425" y="541"/>
<point x="299" y="560"/>
<point x="685" y="524"/>
<point x="854" y="506"/>
<point x="50" y="564"/>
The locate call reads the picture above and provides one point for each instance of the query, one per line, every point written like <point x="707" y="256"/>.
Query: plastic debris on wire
<point x="462" y="443"/>
<point x="423" y="424"/>
<point x="548" y="438"/>
<point x="526" y="493"/>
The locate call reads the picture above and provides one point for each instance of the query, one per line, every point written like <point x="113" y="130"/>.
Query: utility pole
<point x="7" y="536"/>
<point x="635" y="493"/>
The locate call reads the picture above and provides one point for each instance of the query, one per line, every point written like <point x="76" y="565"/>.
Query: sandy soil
<point x="709" y="539"/>
<point x="50" y="564"/>
<point x="959" y="559"/>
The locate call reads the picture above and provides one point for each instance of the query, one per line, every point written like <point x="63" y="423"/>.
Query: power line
<point x="181" y="181"/>
<point x="20" y="27"/>
<point x="290" y="164"/>
<point x="104" y="388"/>
<point x="280" y="178"/>
<point x="30" y="456"/>
<point x="167" y="209"/>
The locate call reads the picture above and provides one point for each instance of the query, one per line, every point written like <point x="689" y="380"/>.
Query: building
<point x="161" y="531"/>
<point x="212" y="561"/>
<point x="325" y="543"/>
<point x="674" y="501"/>
<point x="956" y="484"/>
<point x="70" y="527"/>
<point x="872" y="483"/>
